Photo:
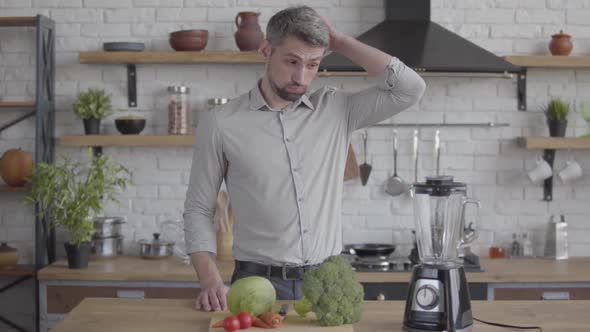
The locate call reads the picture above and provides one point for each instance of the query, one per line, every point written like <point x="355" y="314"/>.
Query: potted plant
<point x="70" y="194"/>
<point x="93" y="106"/>
<point x="557" y="112"/>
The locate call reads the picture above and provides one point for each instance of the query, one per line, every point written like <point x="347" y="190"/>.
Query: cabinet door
<point x="527" y="294"/>
<point x="63" y="298"/>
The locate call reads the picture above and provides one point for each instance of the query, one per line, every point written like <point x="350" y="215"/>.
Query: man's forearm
<point x="371" y="59"/>
<point x="205" y="267"/>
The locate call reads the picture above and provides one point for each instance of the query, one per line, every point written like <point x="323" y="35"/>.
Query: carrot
<point x="218" y="324"/>
<point x="257" y="322"/>
<point x="271" y="318"/>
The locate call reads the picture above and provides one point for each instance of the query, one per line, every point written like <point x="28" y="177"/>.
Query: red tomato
<point x="245" y="320"/>
<point x="231" y="324"/>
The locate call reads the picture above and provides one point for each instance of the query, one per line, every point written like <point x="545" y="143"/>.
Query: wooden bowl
<point x="189" y="40"/>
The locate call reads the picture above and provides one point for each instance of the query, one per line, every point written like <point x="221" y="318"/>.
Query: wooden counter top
<point x="129" y="268"/>
<point x="127" y="315"/>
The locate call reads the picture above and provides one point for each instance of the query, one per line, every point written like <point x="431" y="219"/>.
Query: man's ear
<point x="264" y="49"/>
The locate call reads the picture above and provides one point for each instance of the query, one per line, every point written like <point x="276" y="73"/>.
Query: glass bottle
<point x="179" y="111"/>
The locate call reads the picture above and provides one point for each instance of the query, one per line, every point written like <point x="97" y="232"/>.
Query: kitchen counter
<point x="131" y="268"/>
<point x="122" y="315"/>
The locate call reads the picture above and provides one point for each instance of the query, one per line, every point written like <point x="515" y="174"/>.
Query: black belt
<point x="284" y="272"/>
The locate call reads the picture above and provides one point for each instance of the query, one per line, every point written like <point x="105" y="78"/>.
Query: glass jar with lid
<point x="179" y="110"/>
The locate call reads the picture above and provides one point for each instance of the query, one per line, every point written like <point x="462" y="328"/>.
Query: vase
<point x="249" y="35"/>
<point x="561" y="44"/>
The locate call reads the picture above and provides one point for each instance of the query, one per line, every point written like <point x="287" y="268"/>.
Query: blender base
<point x="438" y="300"/>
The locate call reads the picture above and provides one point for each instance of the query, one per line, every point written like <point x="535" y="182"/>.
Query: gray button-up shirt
<point x="284" y="168"/>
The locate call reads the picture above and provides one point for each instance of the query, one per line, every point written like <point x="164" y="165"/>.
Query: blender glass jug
<point x="439" y="215"/>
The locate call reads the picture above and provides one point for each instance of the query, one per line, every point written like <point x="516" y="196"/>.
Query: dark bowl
<point x="130" y="126"/>
<point x="189" y="40"/>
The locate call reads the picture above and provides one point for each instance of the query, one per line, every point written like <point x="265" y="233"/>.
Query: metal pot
<point x="108" y="246"/>
<point x="155" y="248"/>
<point x="108" y="227"/>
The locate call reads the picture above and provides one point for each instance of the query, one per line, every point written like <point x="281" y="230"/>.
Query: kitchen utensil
<point x="123" y="46"/>
<point x="189" y="40"/>
<point x="155" y="248"/>
<point x="556" y="243"/>
<point x="561" y="44"/>
<point x="365" y="168"/>
<point x="438" y="296"/>
<point x="249" y="35"/>
<point x="394" y="185"/>
<point x="292" y="323"/>
<point x="224" y="221"/>
<point x="541" y="171"/>
<point x="173" y="231"/>
<point x="571" y="171"/>
<point x="108" y="227"/>
<point x="351" y="170"/>
<point x="8" y="256"/>
<point x="371" y="249"/>
<point x="107" y="246"/>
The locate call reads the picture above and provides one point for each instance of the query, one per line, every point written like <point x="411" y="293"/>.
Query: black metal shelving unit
<point x="43" y="108"/>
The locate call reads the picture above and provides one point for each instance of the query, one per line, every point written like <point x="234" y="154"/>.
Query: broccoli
<point x="332" y="292"/>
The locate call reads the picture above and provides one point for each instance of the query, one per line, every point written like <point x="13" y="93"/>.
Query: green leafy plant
<point x="557" y="109"/>
<point x="93" y="104"/>
<point x="72" y="193"/>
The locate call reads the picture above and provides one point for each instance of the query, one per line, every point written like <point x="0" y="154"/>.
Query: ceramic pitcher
<point x="249" y="35"/>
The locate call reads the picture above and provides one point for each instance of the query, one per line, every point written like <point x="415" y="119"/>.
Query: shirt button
<point x="295" y="169"/>
<point x="306" y="261"/>
<point x="301" y="199"/>
<point x="305" y="231"/>
<point x="288" y="139"/>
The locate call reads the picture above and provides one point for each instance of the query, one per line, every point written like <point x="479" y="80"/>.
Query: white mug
<point x="541" y="172"/>
<point x="571" y="171"/>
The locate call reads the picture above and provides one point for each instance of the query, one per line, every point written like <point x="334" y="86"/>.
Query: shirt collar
<point x="257" y="101"/>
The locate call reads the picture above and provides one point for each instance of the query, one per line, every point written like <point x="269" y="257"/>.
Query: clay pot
<point x="8" y="256"/>
<point x="561" y="44"/>
<point x="15" y="165"/>
<point x="249" y="35"/>
<point x="189" y="40"/>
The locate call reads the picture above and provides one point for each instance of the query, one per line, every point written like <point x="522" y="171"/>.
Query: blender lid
<point x="442" y="185"/>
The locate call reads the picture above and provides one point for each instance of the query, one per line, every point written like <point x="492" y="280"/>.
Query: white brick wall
<point x="487" y="159"/>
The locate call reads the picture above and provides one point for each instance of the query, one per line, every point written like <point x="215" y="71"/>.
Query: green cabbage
<point x="255" y="295"/>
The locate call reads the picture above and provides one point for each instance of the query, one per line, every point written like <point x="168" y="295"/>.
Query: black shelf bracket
<point x="97" y="151"/>
<point x="549" y="156"/>
<point x="521" y="89"/>
<point x="131" y="85"/>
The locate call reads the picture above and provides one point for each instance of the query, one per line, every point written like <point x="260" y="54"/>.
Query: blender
<point x="438" y="296"/>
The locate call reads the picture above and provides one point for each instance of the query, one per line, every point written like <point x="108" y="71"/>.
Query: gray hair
<point x="302" y="22"/>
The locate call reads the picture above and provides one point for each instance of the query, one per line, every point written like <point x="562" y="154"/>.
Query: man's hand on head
<point x="335" y="35"/>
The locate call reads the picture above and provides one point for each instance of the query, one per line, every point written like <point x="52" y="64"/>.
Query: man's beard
<point x="283" y="92"/>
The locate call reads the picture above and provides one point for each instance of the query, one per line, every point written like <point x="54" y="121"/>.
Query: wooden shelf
<point x="549" y="61"/>
<point x="236" y="57"/>
<point x="127" y="140"/>
<point x="17" y="271"/>
<point x="554" y="143"/>
<point x="18" y="21"/>
<point x="7" y="189"/>
<point x="16" y="104"/>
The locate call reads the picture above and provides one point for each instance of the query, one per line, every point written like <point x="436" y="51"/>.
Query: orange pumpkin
<point x="15" y="165"/>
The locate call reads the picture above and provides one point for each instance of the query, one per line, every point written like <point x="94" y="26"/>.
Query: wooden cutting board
<point x="351" y="170"/>
<point x="292" y="323"/>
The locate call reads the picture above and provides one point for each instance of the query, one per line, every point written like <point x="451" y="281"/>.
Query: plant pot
<point x="91" y="126"/>
<point x="78" y="255"/>
<point x="557" y="128"/>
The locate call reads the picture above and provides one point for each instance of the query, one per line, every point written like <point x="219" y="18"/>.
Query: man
<point x="282" y="154"/>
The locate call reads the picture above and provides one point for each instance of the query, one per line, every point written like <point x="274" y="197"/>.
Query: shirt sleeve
<point x="207" y="172"/>
<point x="398" y="87"/>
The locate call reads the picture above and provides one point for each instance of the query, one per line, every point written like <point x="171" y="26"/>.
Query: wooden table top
<point x="131" y="315"/>
<point x="132" y="268"/>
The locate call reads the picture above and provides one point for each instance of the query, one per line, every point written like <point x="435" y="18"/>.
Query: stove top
<point x="391" y="264"/>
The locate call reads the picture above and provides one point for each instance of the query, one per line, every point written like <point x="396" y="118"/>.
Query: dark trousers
<point x="286" y="289"/>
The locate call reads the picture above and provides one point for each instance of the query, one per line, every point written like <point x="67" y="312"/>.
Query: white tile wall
<point x="487" y="159"/>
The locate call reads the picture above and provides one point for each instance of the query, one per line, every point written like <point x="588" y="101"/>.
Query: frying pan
<point x="371" y="249"/>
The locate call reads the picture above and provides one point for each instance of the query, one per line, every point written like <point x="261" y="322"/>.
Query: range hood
<point x="425" y="46"/>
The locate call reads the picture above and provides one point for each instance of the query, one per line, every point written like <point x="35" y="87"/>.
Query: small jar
<point x="179" y="122"/>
